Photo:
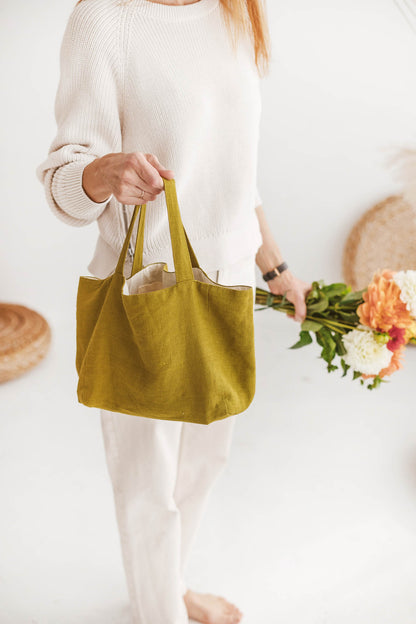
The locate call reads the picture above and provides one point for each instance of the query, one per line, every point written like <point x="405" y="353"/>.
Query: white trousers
<point x="162" y="473"/>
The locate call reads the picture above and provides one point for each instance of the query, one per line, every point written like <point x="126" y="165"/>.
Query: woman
<point x="150" y="89"/>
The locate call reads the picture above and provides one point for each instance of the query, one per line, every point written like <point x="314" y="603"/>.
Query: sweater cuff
<point x="69" y="193"/>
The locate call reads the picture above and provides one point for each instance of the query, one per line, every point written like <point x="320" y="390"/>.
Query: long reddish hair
<point x="248" y="17"/>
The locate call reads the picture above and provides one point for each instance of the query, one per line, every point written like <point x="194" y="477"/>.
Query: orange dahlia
<point x="382" y="307"/>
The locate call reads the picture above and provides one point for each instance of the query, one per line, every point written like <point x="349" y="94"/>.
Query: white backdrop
<point x="335" y="463"/>
<point x="340" y="91"/>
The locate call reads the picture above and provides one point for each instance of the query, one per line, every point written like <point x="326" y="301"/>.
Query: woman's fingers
<point x="146" y="176"/>
<point x="153" y="160"/>
<point x="301" y="306"/>
<point x="138" y="197"/>
<point x="132" y="178"/>
<point x="149" y="171"/>
<point x="139" y="181"/>
<point x="295" y="291"/>
<point x="296" y="297"/>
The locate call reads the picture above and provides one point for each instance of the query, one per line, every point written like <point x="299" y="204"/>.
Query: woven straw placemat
<point x="383" y="238"/>
<point x="25" y="337"/>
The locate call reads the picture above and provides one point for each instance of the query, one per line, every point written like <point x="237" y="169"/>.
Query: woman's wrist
<point x="268" y="257"/>
<point x="93" y="182"/>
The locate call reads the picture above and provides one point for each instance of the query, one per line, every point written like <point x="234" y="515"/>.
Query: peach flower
<point x="382" y="307"/>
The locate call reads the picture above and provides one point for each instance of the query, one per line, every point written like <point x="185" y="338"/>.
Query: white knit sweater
<point x="144" y="76"/>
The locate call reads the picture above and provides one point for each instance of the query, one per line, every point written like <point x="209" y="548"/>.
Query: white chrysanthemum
<point x="406" y="281"/>
<point x="364" y="353"/>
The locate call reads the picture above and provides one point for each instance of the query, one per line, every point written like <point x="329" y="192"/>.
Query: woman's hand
<point x="295" y="289"/>
<point x="133" y="178"/>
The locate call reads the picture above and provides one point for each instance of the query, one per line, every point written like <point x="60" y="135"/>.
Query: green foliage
<point x="311" y="326"/>
<point x="376" y="382"/>
<point x="331" y="313"/>
<point x="345" y="366"/>
<point x="340" y="349"/>
<point x="305" y="339"/>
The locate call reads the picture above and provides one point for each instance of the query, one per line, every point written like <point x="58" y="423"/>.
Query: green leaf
<point x="319" y="338"/>
<point x="356" y="374"/>
<point x="340" y="348"/>
<point x="329" y="345"/>
<point x="354" y="296"/>
<point x="349" y="317"/>
<point x="318" y="306"/>
<point x="305" y="339"/>
<point x="336" y="289"/>
<point x="376" y="382"/>
<point x="345" y="366"/>
<point x="312" y="295"/>
<point x="308" y="326"/>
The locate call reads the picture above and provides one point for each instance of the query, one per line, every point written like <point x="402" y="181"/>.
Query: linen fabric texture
<point x="167" y="345"/>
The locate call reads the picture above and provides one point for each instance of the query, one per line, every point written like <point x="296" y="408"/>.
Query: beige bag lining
<point x="155" y="277"/>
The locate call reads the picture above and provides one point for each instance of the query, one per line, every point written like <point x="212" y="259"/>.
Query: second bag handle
<point x="184" y="257"/>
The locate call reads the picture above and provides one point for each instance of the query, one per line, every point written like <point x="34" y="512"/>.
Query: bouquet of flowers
<point x="367" y="329"/>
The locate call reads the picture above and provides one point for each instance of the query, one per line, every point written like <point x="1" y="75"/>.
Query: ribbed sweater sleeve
<point x="87" y="111"/>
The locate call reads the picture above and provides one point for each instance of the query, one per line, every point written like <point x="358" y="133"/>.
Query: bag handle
<point x="138" y="252"/>
<point x="184" y="257"/>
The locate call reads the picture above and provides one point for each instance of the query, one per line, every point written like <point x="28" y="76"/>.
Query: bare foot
<point x="211" y="609"/>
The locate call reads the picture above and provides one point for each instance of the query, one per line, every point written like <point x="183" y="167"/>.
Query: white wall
<point x="341" y="89"/>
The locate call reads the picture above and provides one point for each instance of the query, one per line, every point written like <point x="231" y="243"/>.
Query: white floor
<point x="312" y="522"/>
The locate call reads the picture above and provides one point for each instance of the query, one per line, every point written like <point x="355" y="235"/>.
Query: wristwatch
<point x="275" y="272"/>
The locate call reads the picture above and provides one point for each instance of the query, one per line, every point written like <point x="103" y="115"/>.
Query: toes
<point x="234" y="614"/>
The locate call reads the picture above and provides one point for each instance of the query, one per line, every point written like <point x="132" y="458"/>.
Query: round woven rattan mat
<point x="383" y="238"/>
<point x="25" y="337"/>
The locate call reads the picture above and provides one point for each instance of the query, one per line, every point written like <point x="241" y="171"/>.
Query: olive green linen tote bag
<point x="171" y="345"/>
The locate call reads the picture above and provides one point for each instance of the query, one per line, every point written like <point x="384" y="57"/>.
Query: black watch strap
<point x="275" y="272"/>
